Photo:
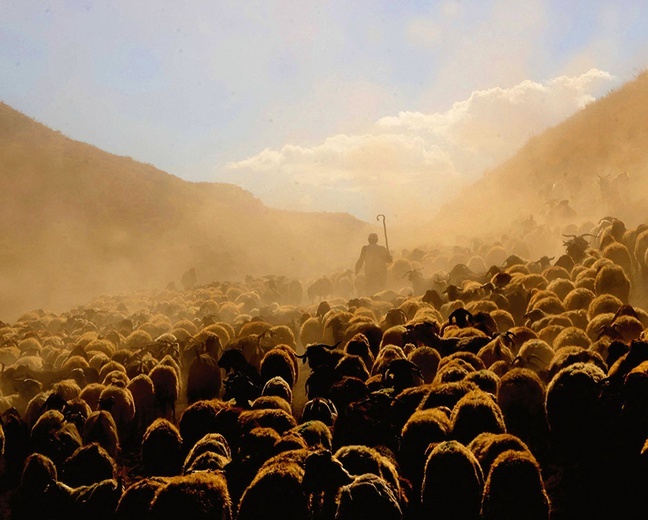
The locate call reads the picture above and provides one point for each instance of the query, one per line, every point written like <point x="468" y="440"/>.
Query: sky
<point x="363" y="107"/>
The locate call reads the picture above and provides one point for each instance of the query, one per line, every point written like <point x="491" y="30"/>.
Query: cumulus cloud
<point x="408" y="163"/>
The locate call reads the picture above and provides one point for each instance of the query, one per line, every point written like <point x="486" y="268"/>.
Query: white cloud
<point x="412" y="161"/>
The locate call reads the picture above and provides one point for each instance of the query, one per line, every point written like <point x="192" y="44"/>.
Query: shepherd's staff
<point x="384" y="229"/>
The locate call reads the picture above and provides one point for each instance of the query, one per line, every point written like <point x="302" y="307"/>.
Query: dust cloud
<point x="79" y="222"/>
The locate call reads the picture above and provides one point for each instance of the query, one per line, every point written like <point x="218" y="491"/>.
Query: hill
<point x="574" y="161"/>
<point x="77" y="222"/>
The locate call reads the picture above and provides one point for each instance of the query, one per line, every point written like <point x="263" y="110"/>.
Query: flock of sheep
<point x="499" y="387"/>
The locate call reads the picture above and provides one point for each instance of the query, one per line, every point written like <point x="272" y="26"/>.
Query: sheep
<point x="280" y="361"/>
<point x="351" y="366"/>
<point x="446" y="395"/>
<point x="166" y="382"/>
<point x="573" y="409"/>
<point x="320" y="355"/>
<point x="427" y="359"/>
<point x="100" y="427"/>
<point x="320" y="409"/>
<point x="358" y="459"/>
<point x="456" y="370"/>
<point x="275" y="492"/>
<point x="25" y="390"/>
<point x="467" y="359"/>
<point x="420" y="284"/>
<point x="624" y="326"/>
<point x="474" y="413"/>
<point x="469" y="339"/>
<point x="316" y="433"/>
<point x="324" y="475"/>
<point x="521" y="397"/>
<point x="270" y="402"/>
<point x="208" y="461"/>
<point x="76" y="411"/>
<point x="204" y="378"/>
<point x="359" y="345"/>
<point x="110" y="367"/>
<point x="514" y="489"/>
<point x="136" y="500"/>
<point x="612" y="279"/>
<point x="632" y="423"/>
<point x="120" y="404"/>
<point x="497" y="349"/>
<point x="571" y="336"/>
<point x="311" y="331"/>
<point x="599" y="326"/>
<point x="367" y="422"/>
<point x="368" y="497"/>
<point x="254" y="449"/>
<point x="278" y="420"/>
<point x="143" y="391"/>
<point x="421" y="429"/>
<point x="556" y="273"/>
<point x="385" y="357"/>
<point x="213" y="443"/>
<point x="116" y="378"/>
<point x="240" y="390"/>
<point x="91" y="393"/>
<point x="54" y="438"/>
<point x="578" y="298"/>
<point x="536" y="355"/>
<point x="578" y="318"/>
<point x="290" y="441"/>
<point x="199" y="419"/>
<point x="88" y="465"/>
<point x="233" y="361"/>
<point x="629" y="359"/>
<point x="38" y="475"/>
<point x="401" y="374"/>
<point x="453" y="483"/>
<point x="485" y="380"/>
<point x="320" y="288"/>
<point x="251" y="348"/>
<point x="283" y="335"/>
<point x="277" y="386"/>
<point x="336" y="321"/>
<point x="548" y="304"/>
<point x="393" y="317"/>
<point x="202" y="495"/>
<point x="161" y="449"/>
<point x="561" y="286"/>
<point x="394" y="336"/>
<point x="488" y="446"/>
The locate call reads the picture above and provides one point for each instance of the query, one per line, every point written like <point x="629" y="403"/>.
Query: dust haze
<point x="79" y="222"/>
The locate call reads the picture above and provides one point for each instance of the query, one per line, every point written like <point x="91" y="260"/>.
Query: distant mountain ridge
<point x="76" y="222"/>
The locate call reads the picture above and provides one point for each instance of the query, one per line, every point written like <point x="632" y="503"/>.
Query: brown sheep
<point x="453" y="483"/>
<point x="515" y="489"/>
<point x="476" y="412"/>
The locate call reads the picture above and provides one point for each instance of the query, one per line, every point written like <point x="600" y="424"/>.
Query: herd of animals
<point x="500" y="387"/>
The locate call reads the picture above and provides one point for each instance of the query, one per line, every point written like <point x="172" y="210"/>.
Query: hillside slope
<point x="606" y="138"/>
<point x="76" y="222"/>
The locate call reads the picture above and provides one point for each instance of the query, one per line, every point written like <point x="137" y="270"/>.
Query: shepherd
<point x="375" y="259"/>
